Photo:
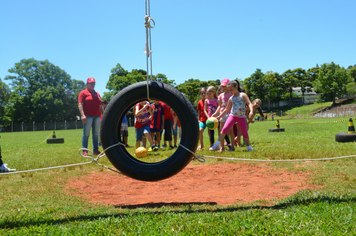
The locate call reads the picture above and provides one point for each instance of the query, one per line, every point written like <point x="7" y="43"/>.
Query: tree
<point x="4" y="99"/>
<point x="332" y="80"/>
<point x="41" y="92"/>
<point x="352" y="70"/>
<point x="191" y="89"/>
<point x="254" y="85"/>
<point x="289" y="82"/>
<point x="272" y="82"/>
<point x="121" y="78"/>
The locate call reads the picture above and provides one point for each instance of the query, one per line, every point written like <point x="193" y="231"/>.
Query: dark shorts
<point x="167" y="130"/>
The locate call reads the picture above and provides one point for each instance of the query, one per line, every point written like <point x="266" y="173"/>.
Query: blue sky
<point x="204" y="40"/>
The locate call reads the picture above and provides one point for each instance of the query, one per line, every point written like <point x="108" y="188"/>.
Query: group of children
<point x="231" y="107"/>
<point x="150" y="122"/>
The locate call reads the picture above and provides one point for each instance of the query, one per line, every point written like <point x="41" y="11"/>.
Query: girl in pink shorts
<point x="237" y="104"/>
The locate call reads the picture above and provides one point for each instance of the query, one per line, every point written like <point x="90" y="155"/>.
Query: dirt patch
<point x="222" y="184"/>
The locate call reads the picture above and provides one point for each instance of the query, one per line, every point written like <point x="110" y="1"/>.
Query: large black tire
<point x="276" y="130"/>
<point x="112" y="119"/>
<point x="345" y="137"/>
<point x="55" y="140"/>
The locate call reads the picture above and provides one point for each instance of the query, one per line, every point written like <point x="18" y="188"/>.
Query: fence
<point x="57" y="125"/>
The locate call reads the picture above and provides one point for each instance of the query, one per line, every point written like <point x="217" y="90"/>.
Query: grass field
<point x="36" y="203"/>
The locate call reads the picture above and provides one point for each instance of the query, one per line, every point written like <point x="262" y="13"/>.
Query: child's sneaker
<point x="231" y="149"/>
<point x="163" y="145"/>
<point x="96" y="152"/>
<point x="170" y="147"/>
<point x="199" y="148"/>
<point x="250" y="149"/>
<point x="221" y="149"/>
<point x="175" y="146"/>
<point x="153" y="148"/>
<point x="215" y="147"/>
<point x="4" y="168"/>
<point x="85" y="153"/>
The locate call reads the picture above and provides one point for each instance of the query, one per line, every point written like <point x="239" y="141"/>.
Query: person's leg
<point x="202" y="127"/>
<point x="243" y="127"/>
<point x="211" y="137"/>
<point x="95" y="134"/>
<point x="228" y="124"/>
<point x="86" y="131"/>
<point x="168" y="132"/>
<point x="139" y="133"/>
<point x="238" y="136"/>
<point x="175" y="134"/>
<point x="158" y="138"/>
<point x="126" y="134"/>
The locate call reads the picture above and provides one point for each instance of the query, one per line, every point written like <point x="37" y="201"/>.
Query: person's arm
<point x="175" y="121"/>
<point x="150" y="110"/>
<point x="81" y="111"/>
<point x="216" y="113"/>
<point x="228" y="108"/>
<point x="102" y="109"/>
<point x="139" y="111"/>
<point x="249" y="104"/>
<point x="206" y="108"/>
<point x="198" y="109"/>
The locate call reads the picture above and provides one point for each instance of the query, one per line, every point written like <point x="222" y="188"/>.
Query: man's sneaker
<point x="215" y="147"/>
<point x="85" y="153"/>
<point x="170" y="147"/>
<point x="4" y="168"/>
<point x="175" y="146"/>
<point x="96" y="152"/>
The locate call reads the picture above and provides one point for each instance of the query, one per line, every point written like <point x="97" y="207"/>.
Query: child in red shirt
<point x="201" y="117"/>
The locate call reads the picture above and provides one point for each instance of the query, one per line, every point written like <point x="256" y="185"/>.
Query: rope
<point x="46" y="168"/>
<point x="93" y="160"/>
<point x="288" y="160"/>
<point x="148" y="45"/>
<point x="201" y="159"/>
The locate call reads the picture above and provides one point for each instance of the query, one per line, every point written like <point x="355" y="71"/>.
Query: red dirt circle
<point x="221" y="184"/>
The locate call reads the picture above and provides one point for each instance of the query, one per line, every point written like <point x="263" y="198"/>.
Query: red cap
<point x="90" y="80"/>
<point x="224" y="82"/>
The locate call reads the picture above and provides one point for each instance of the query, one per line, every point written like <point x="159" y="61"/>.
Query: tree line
<point x="40" y="91"/>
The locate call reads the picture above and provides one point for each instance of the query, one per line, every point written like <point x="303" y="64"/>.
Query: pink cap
<point x="224" y="82"/>
<point x="90" y="80"/>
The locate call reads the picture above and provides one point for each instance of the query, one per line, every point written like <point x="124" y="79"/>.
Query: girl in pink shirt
<point x="211" y="105"/>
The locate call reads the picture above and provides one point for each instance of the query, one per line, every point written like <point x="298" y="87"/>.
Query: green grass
<point x="37" y="203"/>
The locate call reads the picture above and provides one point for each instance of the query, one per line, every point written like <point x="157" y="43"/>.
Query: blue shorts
<point x="140" y="132"/>
<point x="156" y="130"/>
<point x="202" y="125"/>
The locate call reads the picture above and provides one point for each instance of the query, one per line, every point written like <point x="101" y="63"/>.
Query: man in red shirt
<point x="89" y="104"/>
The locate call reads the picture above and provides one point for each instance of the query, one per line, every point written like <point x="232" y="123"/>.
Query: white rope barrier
<point x="201" y="159"/>
<point x="287" y="160"/>
<point x="46" y="168"/>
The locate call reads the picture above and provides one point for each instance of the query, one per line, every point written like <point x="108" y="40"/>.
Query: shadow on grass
<point x="11" y="224"/>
